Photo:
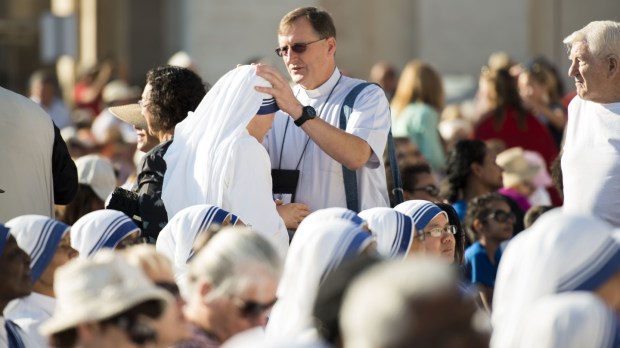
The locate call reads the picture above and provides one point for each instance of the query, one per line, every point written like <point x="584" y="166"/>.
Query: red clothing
<point x="535" y="136"/>
<point x="96" y="106"/>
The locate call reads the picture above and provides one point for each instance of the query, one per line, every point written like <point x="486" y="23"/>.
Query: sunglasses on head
<point x="430" y="189"/>
<point x="297" y="48"/>
<point x="502" y="216"/>
<point x="252" y="309"/>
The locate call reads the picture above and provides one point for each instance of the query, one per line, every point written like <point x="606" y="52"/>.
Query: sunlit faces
<point x="530" y="89"/>
<point x="315" y="65"/>
<point x="144" y="110"/>
<point x="499" y="223"/>
<point x="15" y="270"/>
<point x="442" y="246"/>
<point x="64" y="253"/>
<point x="490" y="173"/>
<point x="589" y="72"/>
<point x="233" y="310"/>
<point x="171" y="326"/>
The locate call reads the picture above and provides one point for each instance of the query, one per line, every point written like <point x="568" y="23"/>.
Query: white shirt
<point x="321" y="183"/>
<point x="591" y="160"/>
<point x="26" y="142"/>
<point x="4" y="336"/>
<point x="29" y="312"/>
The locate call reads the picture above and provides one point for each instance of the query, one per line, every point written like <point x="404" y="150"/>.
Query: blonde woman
<point x="416" y="107"/>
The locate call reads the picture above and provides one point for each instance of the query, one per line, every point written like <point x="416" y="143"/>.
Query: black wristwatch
<point x="307" y="113"/>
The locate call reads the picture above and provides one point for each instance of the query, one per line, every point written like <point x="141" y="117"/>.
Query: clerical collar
<point x="323" y="89"/>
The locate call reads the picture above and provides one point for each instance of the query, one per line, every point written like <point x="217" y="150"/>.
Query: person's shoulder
<point x="473" y="250"/>
<point x="22" y="108"/>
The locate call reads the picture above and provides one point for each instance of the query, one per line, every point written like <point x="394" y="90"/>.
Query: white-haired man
<point x="590" y="165"/>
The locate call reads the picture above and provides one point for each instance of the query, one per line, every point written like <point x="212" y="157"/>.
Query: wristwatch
<point x="307" y="113"/>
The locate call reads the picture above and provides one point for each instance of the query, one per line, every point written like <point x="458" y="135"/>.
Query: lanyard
<point x="307" y="141"/>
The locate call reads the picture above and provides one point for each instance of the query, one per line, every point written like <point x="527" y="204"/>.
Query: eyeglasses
<point x="430" y="189"/>
<point x="252" y="309"/>
<point x="297" y="48"/>
<point x="503" y="216"/>
<point x="439" y="231"/>
<point x="171" y="287"/>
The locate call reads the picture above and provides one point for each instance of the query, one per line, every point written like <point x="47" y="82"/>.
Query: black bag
<point x="284" y="181"/>
<point x="127" y="202"/>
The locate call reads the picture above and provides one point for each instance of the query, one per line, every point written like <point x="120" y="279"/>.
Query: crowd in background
<point x="155" y="250"/>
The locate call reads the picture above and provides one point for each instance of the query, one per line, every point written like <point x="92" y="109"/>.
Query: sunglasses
<point x="297" y="48"/>
<point x="439" y="231"/>
<point x="252" y="309"/>
<point x="138" y="331"/>
<point x="430" y="189"/>
<point x="503" y="216"/>
<point x="171" y="287"/>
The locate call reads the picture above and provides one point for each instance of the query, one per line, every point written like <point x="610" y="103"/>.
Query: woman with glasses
<point x="490" y="219"/>
<point x="434" y="225"/>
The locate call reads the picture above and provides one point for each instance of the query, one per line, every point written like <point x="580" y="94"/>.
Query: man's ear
<point x="612" y="65"/>
<point x="205" y="290"/>
<point x="477" y="225"/>
<point x="331" y="42"/>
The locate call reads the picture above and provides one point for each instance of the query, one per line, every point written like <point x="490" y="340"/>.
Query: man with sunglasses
<point x="306" y="138"/>
<point x="419" y="182"/>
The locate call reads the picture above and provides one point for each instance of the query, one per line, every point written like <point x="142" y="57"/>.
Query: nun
<point x="394" y="232"/>
<point x="103" y="229"/>
<point x="559" y="253"/>
<point x="317" y="249"/>
<point x="433" y="223"/>
<point x="217" y="157"/>
<point x="47" y="242"/>
<point x="176" y="240"/>
<point x="16" y="282"/>
<point x="570" y="320"/>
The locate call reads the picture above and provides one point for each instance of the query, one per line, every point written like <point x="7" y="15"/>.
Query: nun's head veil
<point x="393" y="231"/>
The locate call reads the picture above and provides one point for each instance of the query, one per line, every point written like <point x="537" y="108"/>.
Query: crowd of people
<point x="273" y="211"/>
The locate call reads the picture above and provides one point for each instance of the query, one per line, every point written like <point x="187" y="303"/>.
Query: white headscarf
<point x="317" y="249"/>
<point x="570" y="320"/>
<point x="394" y="231"/>
<point x="421" y="211"/>
<point x="559" y="253"/>
<point x="100" y="229"/>
<point x="177" y="238"/>
<point x="198" y="156"/>
<point x="39" y="236"/>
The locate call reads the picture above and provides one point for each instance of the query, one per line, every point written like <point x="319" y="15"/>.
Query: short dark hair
<point x="479" y="208"/>
<point x="175" y="92"/>
<point x="320" y="20"/>
<point x="410" y="172"/>
<point x="534" y="213"/>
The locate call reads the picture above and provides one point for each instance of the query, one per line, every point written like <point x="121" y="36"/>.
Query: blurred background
<point x="71" y="37"/>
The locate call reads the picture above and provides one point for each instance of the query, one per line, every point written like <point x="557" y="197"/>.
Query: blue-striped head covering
<point x="39" y="236"/>
<point x="394" y="231"/>
<point x="559" y="253"/>
<point x="4" y="236"/>
<point x="100" y="229"/>
<point x="421" y="211"/>
<point x="335" y="213"/>
<point x="268" y="106"/>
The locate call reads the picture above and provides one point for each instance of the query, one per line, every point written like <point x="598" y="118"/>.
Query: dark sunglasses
<point x="297" y="48"/>
<point x="502" y="216"/>
<point x="171" y="287"/>
<point x="138" y="331"/>
<point x="430" y="189"/>
<point x="251" y="309"/>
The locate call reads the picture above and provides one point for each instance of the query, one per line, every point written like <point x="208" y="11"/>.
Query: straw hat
<point x="131" y="114"/>
<point x="517" y="169"/>
<point x="98" y="288"/>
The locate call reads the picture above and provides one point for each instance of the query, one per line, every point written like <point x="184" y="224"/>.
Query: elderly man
<point x="590" y="163"/>
<point x="307" y="138"/>
<point x="232" y="284"/>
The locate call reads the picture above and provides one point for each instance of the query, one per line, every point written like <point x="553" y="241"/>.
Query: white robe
<point x="29" y="312"/>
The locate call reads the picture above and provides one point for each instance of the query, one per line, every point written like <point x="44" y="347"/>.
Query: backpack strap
<point x="349" y="176"/>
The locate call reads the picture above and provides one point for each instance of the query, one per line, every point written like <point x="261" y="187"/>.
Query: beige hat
<point x="98" y="173"/>
<point x="98" y="288"/>
<point x="131" y="114"/>
<point x="516" y="168"/>
<point x="119" y="90"/>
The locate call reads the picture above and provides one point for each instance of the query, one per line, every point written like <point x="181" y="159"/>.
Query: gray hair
<point x="232" y="259"/>
<point x="370" y="321"/>
<point x="602" y="38"/>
